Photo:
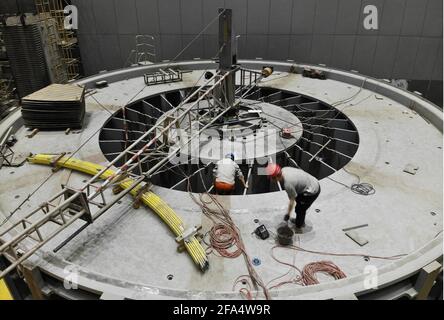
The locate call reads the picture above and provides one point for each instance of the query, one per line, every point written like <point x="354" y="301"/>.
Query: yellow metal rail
<point x="150" y="199"/>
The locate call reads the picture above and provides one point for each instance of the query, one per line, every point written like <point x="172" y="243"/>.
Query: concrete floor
<point x="131" y="252"/>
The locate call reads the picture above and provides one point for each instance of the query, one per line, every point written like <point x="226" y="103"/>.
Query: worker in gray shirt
<point x="225" y="174"/>
<point x="301" y="187"/>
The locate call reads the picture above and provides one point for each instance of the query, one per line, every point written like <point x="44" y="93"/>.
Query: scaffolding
<point x="66" y="39"/>
<point x="144" y="52"/>
<point x="8" y="99"/>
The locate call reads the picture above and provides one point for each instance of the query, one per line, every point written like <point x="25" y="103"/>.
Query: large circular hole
<point x="311" y="124"/>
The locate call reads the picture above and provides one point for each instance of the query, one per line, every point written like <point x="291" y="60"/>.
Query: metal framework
<point x="77" y="204"/>
<point x="163" y="76"/>
<point x="66" y="38"/>
<point x="6" y="153"/>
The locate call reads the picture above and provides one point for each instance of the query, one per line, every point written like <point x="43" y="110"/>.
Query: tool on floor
<point x="262" y="232"/>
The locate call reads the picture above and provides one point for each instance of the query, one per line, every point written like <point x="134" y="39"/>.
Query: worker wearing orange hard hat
<point x="301" y="187"/>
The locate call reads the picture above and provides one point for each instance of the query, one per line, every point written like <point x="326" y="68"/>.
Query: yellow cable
<point x="150" y="199"/>
<point x="4" y="291"/>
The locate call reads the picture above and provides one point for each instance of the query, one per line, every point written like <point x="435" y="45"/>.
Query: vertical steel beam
<point x="34" y="280"/>
<point x="227" y="55"/>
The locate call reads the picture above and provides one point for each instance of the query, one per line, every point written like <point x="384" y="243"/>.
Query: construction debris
<point x="357" y="238"/>
<point x="355" y="227"/>
<point x="313" y="73"/>
<point x="411" y="168"/>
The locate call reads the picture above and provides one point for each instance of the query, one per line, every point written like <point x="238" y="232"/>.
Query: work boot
<point x="293" y="220"/>
<point x="304" y="229"/>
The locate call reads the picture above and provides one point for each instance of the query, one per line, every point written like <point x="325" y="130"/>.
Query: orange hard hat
<point x="273" y="170"/>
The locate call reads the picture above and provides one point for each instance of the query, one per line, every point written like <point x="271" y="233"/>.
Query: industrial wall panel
<point x="364" y="54"/>
<point x="242" y="46"/>
<point x="278" y="47"/>
<point x="110" y="52"/>
<point x="414" y="15"/>
<point x="303" y="16"/>
<point x="433" y="19"/>
<point x="426" y="58"/>
<point x="86" y="17"/>
<point x="170" y="20"/>
<point x="210" y="12"/>
<point x="210" y="45"/>
<point x="256" y="46"/>
<point x="405" y="57"/>
<point x="148" y="17"/>
<point x="92" y="61"/>
<point x="263" y="25"/>
<point x="8" y="6"/>
<point x="385" y="54"/>
<point x="171" y="46"/>
<point x="192" y="20"/>
<point x="258" y="16"/>
<point x="348" y="16"/>
<point x="280" y="17"/>
<point x="392" y="17"/>
<point x="105" y="17"/>
<point x="342" y="54"/>
<point x="195" y="50"/>
<point x="126" y="16"/>
<point x="325" y="18"/>
<point x="16" y="6"/>
<point x="322" y="48"/>
<point x="437" y="69"/>
<point x="127" y="43"/>
<point x="239" y="15"/>
<point x="379" y="4"/>
<point x="300" y="48"/>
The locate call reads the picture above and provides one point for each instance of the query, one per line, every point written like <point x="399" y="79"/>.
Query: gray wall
<point x="16" y="6"/>
<point x="407" y="45"/>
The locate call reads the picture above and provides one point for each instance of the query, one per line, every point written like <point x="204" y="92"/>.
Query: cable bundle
<point x="224" y="235"/>
<point x="308" y="274"/>
<point x="222" y="238"/>
<point x="365" y="189"/>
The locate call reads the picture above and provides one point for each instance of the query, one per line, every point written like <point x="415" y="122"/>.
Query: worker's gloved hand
<point x="286" y="217"/>
<point x="246" y="186"/>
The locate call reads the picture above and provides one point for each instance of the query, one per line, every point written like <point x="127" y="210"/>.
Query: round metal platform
<point x="375" y="131"/>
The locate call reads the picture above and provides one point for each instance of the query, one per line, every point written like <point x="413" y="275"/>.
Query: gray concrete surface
<point x="130" y="252"/>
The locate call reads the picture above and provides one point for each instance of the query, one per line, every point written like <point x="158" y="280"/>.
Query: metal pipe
<point x="319" y="151"/>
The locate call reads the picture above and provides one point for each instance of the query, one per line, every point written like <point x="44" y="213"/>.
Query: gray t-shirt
<point x="297" y="182"/>
<point x="226" y="170"/>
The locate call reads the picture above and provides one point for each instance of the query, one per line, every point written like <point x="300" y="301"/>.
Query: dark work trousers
<point x="302" y="204"/>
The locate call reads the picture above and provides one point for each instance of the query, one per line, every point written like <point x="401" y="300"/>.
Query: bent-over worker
<point x="301" y="187"/>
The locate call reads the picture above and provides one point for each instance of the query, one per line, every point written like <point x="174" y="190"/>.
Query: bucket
<point x="285" y="235"/>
